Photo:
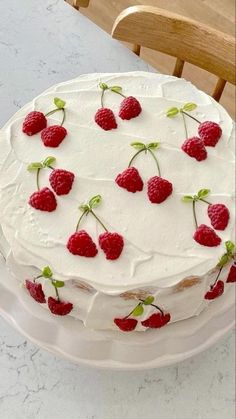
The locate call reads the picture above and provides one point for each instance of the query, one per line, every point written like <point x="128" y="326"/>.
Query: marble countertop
<point x="43" y="42"/>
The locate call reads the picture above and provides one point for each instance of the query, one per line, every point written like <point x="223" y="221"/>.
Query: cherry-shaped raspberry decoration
<point x="215" y="291"/>
<point x="53" y="136"/>
<point x="126" y="325"/>
<point x="35" y="291"/>
<point x="219" y="216"/>
<point x="159" y="189"/>
<point x="80" y="243"/>
<point x="206" y="236"/>
<point x="60" y="308"/>
<point x="157" y="320"/>
<point x="232" y="274"/>
<point x="129" y="108"/>
<point x="210" y="132"/>
<point x="105" y="118"/>
<point x="61" y="181"/>
<point x="112" y="244"/>
<point x="43" y="200"/>
<point x="34" y="122"/>
<point x="130" y="180"/>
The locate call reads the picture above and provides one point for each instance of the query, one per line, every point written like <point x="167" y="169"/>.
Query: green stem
<point x="103" y="226"/>
<point x="154" y="305"/>
<point x="118" y="93"/>
<point x="217" y="276"/>
<point x="37" y="178"/>
<point x="102" y="97"/>
<point x="156" y="161"/>
<point x="80" y="218"/>
<point x="135" y="155"/>
<point x="204" y="200"/>
<point x="185" y="125"/>
<point x="56" y="110"/>
<point x="56" y="290"/>
<point x="192" y="117"/>
<point x="37" y="277"/>
<point x="194" y="213"/>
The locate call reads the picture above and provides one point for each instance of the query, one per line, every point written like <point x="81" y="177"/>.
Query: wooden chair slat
<point x="180" y="37"/>
<point x="178" y="70"/>
<point x="219" y="88"/>
<point x="136" y="49"/>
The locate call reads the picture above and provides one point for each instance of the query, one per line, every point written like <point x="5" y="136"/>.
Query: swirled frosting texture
<point x="159" y="249"/>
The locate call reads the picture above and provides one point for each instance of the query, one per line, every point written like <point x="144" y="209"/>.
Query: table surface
<point x="44" y="42"/>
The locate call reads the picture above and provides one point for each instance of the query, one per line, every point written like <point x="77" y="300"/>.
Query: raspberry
<point x="210" y="133"/>
<point x="53" y="136"/>
<point x="112" y="244"/>
<point x="157" y="320"/>
<point x="43" y="200"/>
<point x="35" y="291"/>
<point x="80" y="243"/>
<point x="61" y="181"/>
<point x="232" y="274"/>
<point x="195" y="147"/>
<point x="105" y="118"/>
<point x="158" y="189"/>
<point x="60" y="308"/>
<point x="129" y="108"/>
<point x="130" y="180"/>
<point x="206" y="236"/>
<point x="219" y="216"/>
<point x="34" y="122"/>
<point x="215" y="291"/>
<point x="126" y="325"/>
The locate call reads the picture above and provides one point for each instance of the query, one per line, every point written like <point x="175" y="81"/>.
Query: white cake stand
<point x="68" y="337"/>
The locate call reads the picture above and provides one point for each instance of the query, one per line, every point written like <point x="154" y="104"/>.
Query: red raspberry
<point x="206" y="236"/>
<point x="35" y="291"/>
<point x="195" y="147"/>
<point x="105" y="118"/>
<point x="80" y="243"/>
<point x="112" y="244"/>
<point x="232" y="274"/>
<point x="126" y="325"/>
<point x="130" y="180"/>
<point x="43" y="200"/>
<point x="34" y="122"/>
<point x="61" y="181"/>
<point x="60" y="308"/>
<point x="215" y="291"/>
<point x="219" y="216"/>
<point x="158" y="189"/>
<point x="53" y="136"/>
<point x="210" y="133"/>
<point x="129" y="108"/>
<point x="157" y="320"/>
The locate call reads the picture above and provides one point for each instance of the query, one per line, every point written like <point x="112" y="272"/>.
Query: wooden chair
<point x="80" y="3"/>
<point x="180" y="37"/>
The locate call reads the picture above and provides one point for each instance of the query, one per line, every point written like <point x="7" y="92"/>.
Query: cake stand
<point x="68" y="337"/>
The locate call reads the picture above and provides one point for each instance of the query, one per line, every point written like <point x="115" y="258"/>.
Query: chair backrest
<point x="180" y="37"/>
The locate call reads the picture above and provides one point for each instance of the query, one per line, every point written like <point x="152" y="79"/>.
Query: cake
<point x="117" y="202"/>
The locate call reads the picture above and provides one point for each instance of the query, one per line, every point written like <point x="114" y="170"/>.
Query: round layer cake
<point x="117" y="202"/>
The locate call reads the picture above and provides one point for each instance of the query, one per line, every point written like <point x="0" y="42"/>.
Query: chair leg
<point x="178" y="70"/>
<point x="136" y="49"/>
<point x="76" y="4"/>
<point x="220" y="85"/>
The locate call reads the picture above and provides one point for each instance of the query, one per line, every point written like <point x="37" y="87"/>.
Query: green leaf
<point x="48" y="161"/>
<point x="189" y="106"/>
<point x="203" y="193"/>
<point x="58" y="284"/>
<point x="60" y="104"/>
<point x="116" y="89"/>
<point x="223" y="260"/>
<point x="34" y="166"/>
<point x="153" y="146"/>
<point x="229" y="247"/>
<point x="187" y="198"/>
<point x="47" y="272"/>
<point x="172" y="112"/>
<point x="138" y="311"/>
<point x="139" y="146"/>
<point x="95" y="201"/>
<point x="103" y="86"/>
<point x="149" y="300"/>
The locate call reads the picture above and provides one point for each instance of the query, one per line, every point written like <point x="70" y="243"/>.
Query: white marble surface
<point x="43" y="42"/>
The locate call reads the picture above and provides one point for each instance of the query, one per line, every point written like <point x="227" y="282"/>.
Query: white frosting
<point x="159" y="249"/>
